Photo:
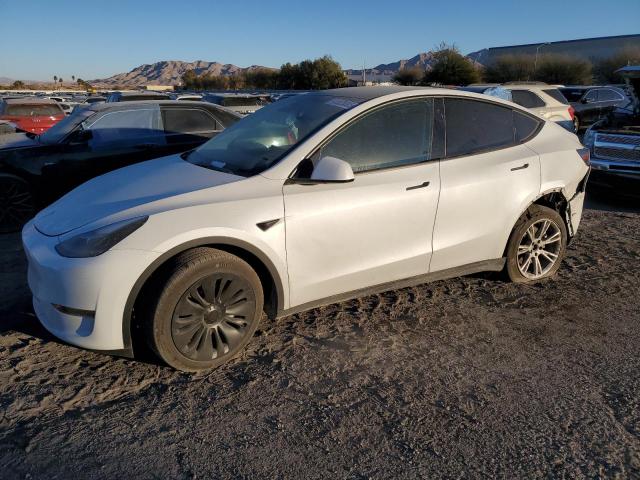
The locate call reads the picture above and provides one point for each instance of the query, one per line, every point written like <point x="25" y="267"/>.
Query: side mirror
<point x="80" y="136"/>
<point x="585" y="100"/>
<point x="332" y="170"/>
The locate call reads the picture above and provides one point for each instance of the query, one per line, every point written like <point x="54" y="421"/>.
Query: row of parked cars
<point x="55" y="153"/>
<point x="573" y="107"/>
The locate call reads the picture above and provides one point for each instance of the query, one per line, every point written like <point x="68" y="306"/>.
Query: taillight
<point x="585" y="155"/>
<point x="572" y="112"/>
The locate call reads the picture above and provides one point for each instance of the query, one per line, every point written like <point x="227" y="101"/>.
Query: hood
<point x="124" y="190"/>
<point x="16" y="140"/>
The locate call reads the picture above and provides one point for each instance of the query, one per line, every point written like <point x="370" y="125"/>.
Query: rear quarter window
<point x="527" y="99"/>
<point x="525" y="126"/>
<point x="556" y="95"/>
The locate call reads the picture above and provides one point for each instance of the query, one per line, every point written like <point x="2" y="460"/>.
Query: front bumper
<point x="82" y="300"/>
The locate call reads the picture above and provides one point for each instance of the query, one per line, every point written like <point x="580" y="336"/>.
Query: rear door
<point x="342" y="237"/>
<point x="488" y="177"/>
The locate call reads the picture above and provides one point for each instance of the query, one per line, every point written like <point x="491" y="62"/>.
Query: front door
<point x="377" y="229"/>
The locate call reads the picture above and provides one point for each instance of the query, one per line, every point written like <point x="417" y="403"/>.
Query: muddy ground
<point x="471" y="377"/>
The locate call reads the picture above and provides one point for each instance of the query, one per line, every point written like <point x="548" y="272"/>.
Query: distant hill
<point x="423" y="61"/>
<point x="169" y="72"/>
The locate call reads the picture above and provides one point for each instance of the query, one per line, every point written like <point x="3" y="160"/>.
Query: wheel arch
<point x="554" y="199"/>
<point x="272" y="284"/>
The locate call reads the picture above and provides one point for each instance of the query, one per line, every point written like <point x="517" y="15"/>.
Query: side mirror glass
<point x="81" y="136"/>
<point x="332" y="170"/>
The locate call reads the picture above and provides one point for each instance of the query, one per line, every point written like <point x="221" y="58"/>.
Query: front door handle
<point x="521" y="167"/>
<point x="422" y="185"/>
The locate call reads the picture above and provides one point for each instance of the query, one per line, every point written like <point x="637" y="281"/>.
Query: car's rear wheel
<point x="209" y="306"/>
<point x="16" y="203"/>
<point x="536" y="246"/>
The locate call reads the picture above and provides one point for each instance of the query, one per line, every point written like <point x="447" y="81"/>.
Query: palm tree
<point x="55" y="81"/>
<point x="60" y="80"/>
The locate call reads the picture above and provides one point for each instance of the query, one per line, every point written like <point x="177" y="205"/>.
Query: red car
<point x="30" y="114"/>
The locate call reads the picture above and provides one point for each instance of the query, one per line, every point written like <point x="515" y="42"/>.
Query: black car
<point x="37" y="169"/>
<point x="593" y="103"/>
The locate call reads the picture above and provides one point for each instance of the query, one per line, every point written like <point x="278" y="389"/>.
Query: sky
<point x="96" y="39"/>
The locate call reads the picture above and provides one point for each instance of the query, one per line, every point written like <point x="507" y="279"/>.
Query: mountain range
<point x="170" y="72"/>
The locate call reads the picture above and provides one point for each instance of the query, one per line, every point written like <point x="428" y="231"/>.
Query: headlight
<point x="98" y="241"/>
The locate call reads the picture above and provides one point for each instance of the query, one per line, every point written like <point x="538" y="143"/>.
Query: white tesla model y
<point x="311" y="200"/>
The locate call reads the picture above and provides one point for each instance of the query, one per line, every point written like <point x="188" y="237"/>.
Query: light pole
<point x="535" y="62"/>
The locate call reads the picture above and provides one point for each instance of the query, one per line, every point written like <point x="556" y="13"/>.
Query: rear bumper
<point x="82" y="300"/>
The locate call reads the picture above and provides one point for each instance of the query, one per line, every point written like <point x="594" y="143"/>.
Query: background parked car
<point x="135" y="96"/>
<point x="614" y="142"/>
<point x="593" y="103"/>
<point x="239" y="103"/>
<point x="7" y="127"/>
<point x="31" y="114"/>
<point x="34" y="171"/>
<point x="544" y="100"/>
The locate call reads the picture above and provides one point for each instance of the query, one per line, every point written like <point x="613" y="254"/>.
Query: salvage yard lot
<point x="469" y="377"/>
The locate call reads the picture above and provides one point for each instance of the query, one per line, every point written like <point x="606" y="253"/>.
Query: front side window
<point x="527" y="99"/>
<point x="126" y="127"/>
<point x="473" y="126"/>
<point x="391" y="136"/>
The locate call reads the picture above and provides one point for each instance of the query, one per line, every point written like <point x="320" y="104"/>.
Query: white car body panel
<point x="367" y="232"/>
<point x="474" y="220"/>
<point x="328" y="239"/>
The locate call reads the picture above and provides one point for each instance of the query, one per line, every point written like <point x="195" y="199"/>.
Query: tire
<point x="17" y="204"/>
<point x="209" y="306"/>
<point x="536" y="246"/>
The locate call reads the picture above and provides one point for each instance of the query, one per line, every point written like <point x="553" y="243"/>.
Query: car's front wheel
<point x="536" y="246"/>
<point x="16" y="203"/>
<point x="208" y="308"/>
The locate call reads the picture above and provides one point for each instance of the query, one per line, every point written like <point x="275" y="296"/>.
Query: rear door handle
<point x="522" y="167"/>
<point x="422" y="185"/>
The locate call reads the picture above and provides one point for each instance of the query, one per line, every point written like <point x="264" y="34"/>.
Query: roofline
<point x="558" y="42"/>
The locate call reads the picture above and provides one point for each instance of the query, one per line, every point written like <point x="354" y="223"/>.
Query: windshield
<point x="257" y="142"/>
<point x="61" y="129"/>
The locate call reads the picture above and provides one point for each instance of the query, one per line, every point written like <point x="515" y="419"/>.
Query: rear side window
<point x="527" y="99"/>
<point x="525" y="126"/>
<point x="572" y="94"/>
<point x="592" y="96"/>
<point x="556" y="95"/>
<point x="473" y="126"/>
<point x="33" y="110"/>
<point x="391" y="136"/>
<point x="177" y="120"/>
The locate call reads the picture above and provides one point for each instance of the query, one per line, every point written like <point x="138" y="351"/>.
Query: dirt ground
<point x="464" y="378"/>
